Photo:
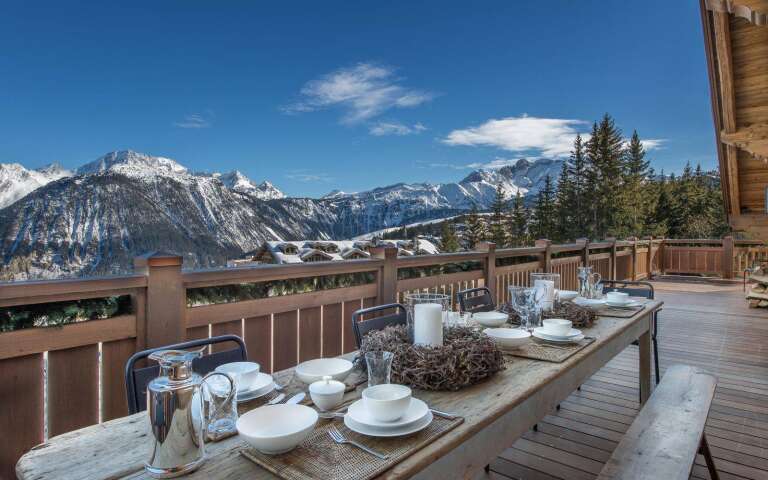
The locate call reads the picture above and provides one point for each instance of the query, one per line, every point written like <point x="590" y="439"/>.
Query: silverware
<point x="277" y="399"/>
<point x="329" y="415"/>
<point x="296" y="398"/>
<point x="449" y="416"/>
<point x="341" y="439"/>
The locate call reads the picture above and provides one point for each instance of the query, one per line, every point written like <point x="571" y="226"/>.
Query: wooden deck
<point x="704" y="325"/>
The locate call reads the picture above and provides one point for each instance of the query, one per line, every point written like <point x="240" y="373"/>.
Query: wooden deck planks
<point x="703" y="325"/>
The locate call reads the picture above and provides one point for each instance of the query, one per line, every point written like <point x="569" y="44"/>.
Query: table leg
<point x="645" y="364"/>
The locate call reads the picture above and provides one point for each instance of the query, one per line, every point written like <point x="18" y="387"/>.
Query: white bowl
<point x="244" y="373"/>
<point x="558" y="327"/>
<point x="314" y="370"/>
<point x="327" y="394"/>
<point x="618" y="298"/>
<point x="387" y="402"/>
<point x="277" y="429"/>
<point x="490" y="319"/>
<point x="591" y="303"/>
<point x="508" y="337"/>
<point x="567" y="295"/>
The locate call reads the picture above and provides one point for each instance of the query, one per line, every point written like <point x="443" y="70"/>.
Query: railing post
<point x="547" y="244"/>
<point x="727" y="262"/>
<point x="634" y="258"/>
<point x="649" y="259"/>
<point x="662" y="246"/>
<point x="612" y="270"/>
<point x="584" y="251"/>
<point x="489" y="266"/>
<point x="165" y="299"/>
<point x="387" y="274"/>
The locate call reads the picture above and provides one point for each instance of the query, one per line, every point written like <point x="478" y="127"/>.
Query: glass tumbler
<point x="522" y="299"/>
<point x="379" y="365"/>
<point x="219" y="406"/>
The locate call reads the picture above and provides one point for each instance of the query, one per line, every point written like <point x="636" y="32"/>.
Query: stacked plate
<point x="416" y="418"/>
<point x="630" y="303"/>
<point x="571" y="337"/>
<point x="261" y="385"/>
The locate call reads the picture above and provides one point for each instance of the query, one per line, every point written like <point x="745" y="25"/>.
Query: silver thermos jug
<point x="174" y="405"/>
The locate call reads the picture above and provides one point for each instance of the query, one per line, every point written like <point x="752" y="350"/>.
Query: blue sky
<point x="321" y="95"/>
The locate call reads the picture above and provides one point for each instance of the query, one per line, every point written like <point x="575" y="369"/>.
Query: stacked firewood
<point x="758" y="294"/>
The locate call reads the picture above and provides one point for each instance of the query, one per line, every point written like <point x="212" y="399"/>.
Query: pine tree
<point x="633" y="201"/>
<point x="498" y="207"/>
<point x="475" y="231"/>
<point x="579" y="176"/>
<point x="592" y="183"/>
<point x="518" y="223"/>
<point x="448" y="240"/>
<point x="543" y="221"/>
<point x="564" y="197"/>
<point x="610" y="152"/>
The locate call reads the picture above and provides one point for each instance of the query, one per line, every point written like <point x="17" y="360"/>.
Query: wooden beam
<point x="723" y="52"/>
<point x="753" y="139"/>
<point x="740" y="8"/>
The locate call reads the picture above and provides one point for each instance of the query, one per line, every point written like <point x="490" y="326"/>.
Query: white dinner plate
<point x="380" y="432"/>
<point x="260" y="386"/>
<point x="543" y="332"/>
<point x="556" y="340"/>
<point x="630" y="303"/>
<point x="416" y="412"/>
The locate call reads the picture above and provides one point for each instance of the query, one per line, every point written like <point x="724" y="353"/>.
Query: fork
<point x="341" y="439"/>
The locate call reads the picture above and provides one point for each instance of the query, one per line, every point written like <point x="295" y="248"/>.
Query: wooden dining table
<point x="496" y="412"/>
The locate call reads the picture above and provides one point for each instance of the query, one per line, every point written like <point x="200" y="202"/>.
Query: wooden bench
<point x="664" y="439"/>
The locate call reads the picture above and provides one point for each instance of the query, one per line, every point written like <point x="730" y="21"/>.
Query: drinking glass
<point x="379" y="366"/>
<point x="522" y="303"/>
<point x="219" y="406"/>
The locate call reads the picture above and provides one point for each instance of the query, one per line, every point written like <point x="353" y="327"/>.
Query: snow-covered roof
<point x="283" y="251"/>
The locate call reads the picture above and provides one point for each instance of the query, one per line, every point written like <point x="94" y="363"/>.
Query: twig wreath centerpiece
<point x="466" y="358"/>
<point x="581" y="317"/>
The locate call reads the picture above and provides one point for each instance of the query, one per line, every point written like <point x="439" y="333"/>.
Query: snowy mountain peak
<point x="237" y="181"/>
<point x="133" y="163"/>
<point x="17" y="181"/>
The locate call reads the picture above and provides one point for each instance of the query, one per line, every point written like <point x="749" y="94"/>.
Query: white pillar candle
<point x="428" y="324"/>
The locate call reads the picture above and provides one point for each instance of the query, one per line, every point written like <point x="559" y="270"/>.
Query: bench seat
<point x="664" y="439"/>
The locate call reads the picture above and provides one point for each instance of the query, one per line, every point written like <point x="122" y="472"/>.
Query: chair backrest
<point x="137" y="379"/>
<point x="634" y="289"/>
<point x="476" y="300"/>
<point x="361" y="325"/>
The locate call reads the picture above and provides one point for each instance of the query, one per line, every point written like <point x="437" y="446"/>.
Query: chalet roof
<point x="344" y="249"/>
<point x="736" y="35"/>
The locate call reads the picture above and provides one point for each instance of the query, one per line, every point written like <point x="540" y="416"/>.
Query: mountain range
<point x="96" y="219"/>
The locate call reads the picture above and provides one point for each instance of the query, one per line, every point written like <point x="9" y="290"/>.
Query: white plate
<point x="415" y="413"/>
<point x="379" y="432"/>
<point x="555" y="340"/>
<point x="566" y="295"/>
<point x="630" y="303"/>
<point x="262" y="385"/>
<point x="593" y="303"/>
<point x="544" y="333"/>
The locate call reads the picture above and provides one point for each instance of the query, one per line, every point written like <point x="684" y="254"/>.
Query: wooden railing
<point x="57" y="379"/>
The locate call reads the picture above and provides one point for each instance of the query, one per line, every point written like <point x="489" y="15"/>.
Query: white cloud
<point x="395" y="128"/>
<point x="195" y="120"/>
<point x="552" y="137"/>
<point x="307" y="176"/>
<point x="363" y="91"/>
<point x="653" y="143"/>
<point x="494" y="164"/>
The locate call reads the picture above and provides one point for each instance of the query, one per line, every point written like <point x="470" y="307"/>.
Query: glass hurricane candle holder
<point x="547" y="286"/>
<point x="427" y="313"/>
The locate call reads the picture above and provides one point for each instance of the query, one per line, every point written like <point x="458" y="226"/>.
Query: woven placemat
<point x="548" y="352"/>
<point x="320" y="458"/>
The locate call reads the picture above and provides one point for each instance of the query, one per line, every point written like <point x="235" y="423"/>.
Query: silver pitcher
<point x="174" y="405"/>
<point x="588" y="281"/>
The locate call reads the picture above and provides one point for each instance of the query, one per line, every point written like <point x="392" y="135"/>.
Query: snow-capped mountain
<point x="17" y="181"/>
<point x="98" y="219"/>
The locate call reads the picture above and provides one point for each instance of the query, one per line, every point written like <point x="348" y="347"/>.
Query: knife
<point x="296" y="398"/>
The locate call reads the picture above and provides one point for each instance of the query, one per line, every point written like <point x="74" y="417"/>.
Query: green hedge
<point x="62" y="313"/>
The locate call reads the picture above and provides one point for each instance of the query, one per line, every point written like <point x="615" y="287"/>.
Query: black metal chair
<point x="379" y="322"/>
<point x="137" y="379"/>
<point x="476" y="300"/>
<point x="644" y="290"/>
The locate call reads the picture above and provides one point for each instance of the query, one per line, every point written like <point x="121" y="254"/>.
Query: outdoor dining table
<point x="496" y="412"/>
